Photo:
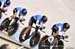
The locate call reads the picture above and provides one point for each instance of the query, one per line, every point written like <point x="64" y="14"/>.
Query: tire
<point x="26" y="37"/>
<point x="60" y="44"/>
<point x="44" y="44"/>
<point x="12" y="29"/>
<point x="5" y="24"/>
<point x="34" y="40"/>
<point x="0" y="15"/>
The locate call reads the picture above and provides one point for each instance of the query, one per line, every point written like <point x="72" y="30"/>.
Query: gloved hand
<point x="22" y="20"/>
<point x="66" y="37"/>
<point x="41" y="28"/>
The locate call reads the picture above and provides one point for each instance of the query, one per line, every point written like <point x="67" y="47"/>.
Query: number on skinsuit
<point x="50" y="39"/>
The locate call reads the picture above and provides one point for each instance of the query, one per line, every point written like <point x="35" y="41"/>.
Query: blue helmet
<point x="7" y="3"/>
<point x="44" y="19"/>
<point x="14" y="10"/>
<point x="66" y="26"/>
<point x="54" y="28"/>
<point x="24" y="11"/>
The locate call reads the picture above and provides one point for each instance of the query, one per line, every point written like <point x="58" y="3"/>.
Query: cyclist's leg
<point x="31" y="32"/>
<point x="29" y="25"/>
<point x="14" y="17"/>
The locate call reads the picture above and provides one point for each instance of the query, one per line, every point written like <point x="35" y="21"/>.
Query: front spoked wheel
<point x="26" y="36"/>
<point x="34" y="40"/>
<point x="44" y="44"/>
<point x="12" y="29"/>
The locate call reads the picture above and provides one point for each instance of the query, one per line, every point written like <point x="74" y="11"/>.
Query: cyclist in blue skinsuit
<point x="62" y="27"/>
<point x="38" y="20"/>
<point x="59" y="32"/>
<point x="3" y="6"/>
<point x="18" y="14"/>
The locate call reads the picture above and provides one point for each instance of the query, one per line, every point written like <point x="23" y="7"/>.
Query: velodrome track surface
<point x="56" y="11"/>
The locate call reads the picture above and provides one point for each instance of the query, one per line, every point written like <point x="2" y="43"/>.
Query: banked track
<point x="10" y="40"/>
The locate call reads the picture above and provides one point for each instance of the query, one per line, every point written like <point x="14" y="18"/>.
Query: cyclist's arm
<point x="4" y="10"/>
<point x="14" y="15"/>
<point x="28" y="28"/>
<point x="21" y="18"/>
<point x="42" y="26"/>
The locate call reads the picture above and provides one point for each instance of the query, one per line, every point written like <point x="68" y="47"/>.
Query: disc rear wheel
<point x="44" y="44"/>
<point x="12" y="29"/>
